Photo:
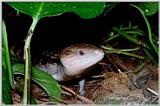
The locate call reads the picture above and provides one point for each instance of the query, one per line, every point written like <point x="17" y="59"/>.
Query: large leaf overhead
<point x="44" y="9"/>
<point x="149" y="8"/>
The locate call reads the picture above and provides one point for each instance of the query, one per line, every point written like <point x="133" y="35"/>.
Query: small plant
<point x="133" y="34"/>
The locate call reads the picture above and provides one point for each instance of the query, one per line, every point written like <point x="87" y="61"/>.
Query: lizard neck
<point x="60" y="74"/>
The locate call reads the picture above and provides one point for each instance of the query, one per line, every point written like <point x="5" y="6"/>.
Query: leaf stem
<point x="121" y="51"/>
<point x="111" y="38"/>
<point x="27" y="75"/>
<point x="148" y="27"/>
<point x="5" y="44"/>
<point x="130" y="38"/>
<point x="125" y="50"/>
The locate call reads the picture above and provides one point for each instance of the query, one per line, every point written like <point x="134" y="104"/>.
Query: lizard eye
<point x="81" y="52"/>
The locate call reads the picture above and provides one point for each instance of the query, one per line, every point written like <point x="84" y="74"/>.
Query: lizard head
<point x="79" y="57"/>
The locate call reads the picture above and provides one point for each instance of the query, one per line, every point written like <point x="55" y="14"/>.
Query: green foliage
<point x="34" y="101"/>
<point x="7" y="55"/>
<point x="149" y="8"/>
<point x="6" y="82"/>
<point x="155" y="47"/>
<point x="6" y="90"/>
<point x="45" y="80"/>
<point x="129" y="37"/>
<point x="45" y="9"/>
<point x="132" y="34"/>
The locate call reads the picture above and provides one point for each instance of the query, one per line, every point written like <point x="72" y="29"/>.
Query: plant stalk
<point x="130" y="38"/>
<point x="122" y="51"/>
<point x="5" y="44"/>
<point x="27" y="73"/>
<point x="148" y="27"/>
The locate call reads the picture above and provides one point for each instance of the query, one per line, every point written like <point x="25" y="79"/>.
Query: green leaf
<point x="149" y="8"/>
<point x="6" y="90"/>
<point x="44" y="9"/>
<point x="45" y="80"/>
<point x="7" y="55"/>
<point x="34" y="101"/>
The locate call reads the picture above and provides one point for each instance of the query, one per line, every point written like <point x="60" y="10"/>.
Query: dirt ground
<point x="111" y="86"/>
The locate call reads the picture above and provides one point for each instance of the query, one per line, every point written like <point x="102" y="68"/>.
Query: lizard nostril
<point x="81" y="52"/>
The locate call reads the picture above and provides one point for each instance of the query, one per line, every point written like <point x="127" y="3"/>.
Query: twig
<point x="82" y="98"/>
<point x="93" y="90"/>
<point x="69" y="90"/>
<point x="155" y="93"/>
<point x="66" y="93"/>
<point x="59" y="99"/>
<point x="98" y="76"/>
<point x="152" y="91"/>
